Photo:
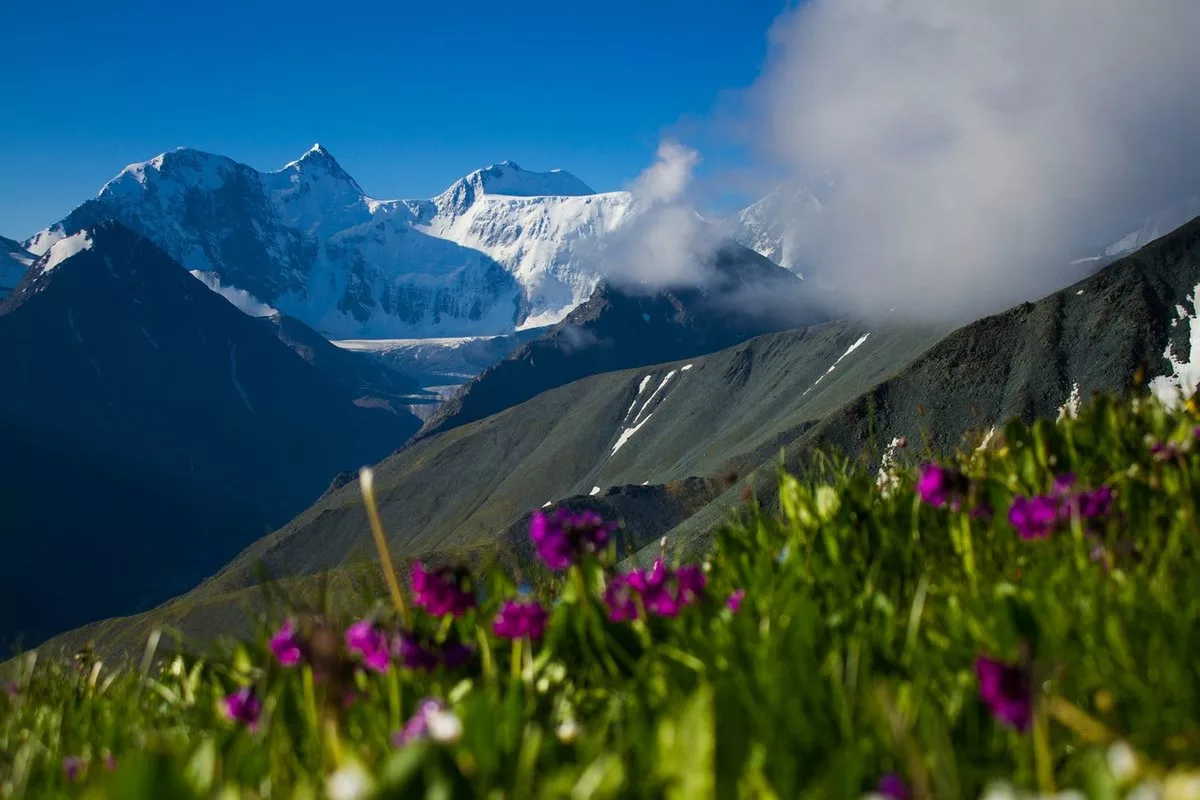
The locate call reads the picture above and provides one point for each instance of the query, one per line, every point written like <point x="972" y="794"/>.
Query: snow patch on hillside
<point x="641" y="389"/>
<point x="849" y="350"/>
<point x="1070" y="409"/>
<point x="666" y="379"/>
<point x="1180" y="383"/>
<point x="628" y="433"/>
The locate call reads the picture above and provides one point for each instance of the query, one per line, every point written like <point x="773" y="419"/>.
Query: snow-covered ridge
<point x="243" y="300"/>
<point x="64" y="248"/>
<point x="497" y="251"/>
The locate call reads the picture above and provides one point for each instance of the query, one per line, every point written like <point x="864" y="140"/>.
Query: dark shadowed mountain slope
<point x="615" y="329"/>
<point x="151" y="430"/>
<point x="369" y="381"/>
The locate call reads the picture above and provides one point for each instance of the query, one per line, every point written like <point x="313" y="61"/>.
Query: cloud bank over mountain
<point x="975" y="147"/>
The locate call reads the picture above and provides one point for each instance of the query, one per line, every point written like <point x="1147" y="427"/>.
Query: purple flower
<point x="110" y="762"/>
<point x="285" y="644"/>
<point x="1006" y="690"/>
<point x="11" y="690"/>
<point x="563" y="536"/>
<point x="893" y="786"/>
<point x="1094" y="504"/>
<point x="664" y="591"/>
<point x="939" y="486"/>
<point x="456" y="654"/>
<point x="417" y="725"/>
<point x="518" y="620"/>
<point x="72" y="768"/>
<point x="621" y="598"/>
<point x="1063" y="483"/>
<point x="413" y="654"/>
<point x="366" y="639"/>
<point x="1034" y="517"/>
<point x="443" y="590"/>
<point x="735" y="600"/>
<point x="244" y="706"/>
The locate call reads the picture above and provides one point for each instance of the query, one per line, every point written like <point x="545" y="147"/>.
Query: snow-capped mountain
<point x="781" y="225"/>
<point x="14" y="260"/>
<point x="495" y="252"/>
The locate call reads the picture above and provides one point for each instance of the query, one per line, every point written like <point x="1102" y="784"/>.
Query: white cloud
<point x="664" y="242"/>
<point x="666" y="179"/>
<point x="976" y="145"/>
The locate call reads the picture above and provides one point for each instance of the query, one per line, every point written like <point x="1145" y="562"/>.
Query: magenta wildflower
<point x="366" y="639"/>
<point x="413" y="654"/>
<point x="621" y="598"/>
<point x="286" y="645"/>
<point x="72" y="768"/>
<point x="563" y="536"/>
<point x="1006" y="690"/>
<point x="665" y="592"/>
<point x="1034" y="517"/>
<point x="939" y="486"/>
<point x="518" y="620"/>
<point x="892" y="786"/>
<point x="110" y="762"/>
<point x="244" y="706"/>
<point x="735" y="600"/>
<point x="443" y="590"/>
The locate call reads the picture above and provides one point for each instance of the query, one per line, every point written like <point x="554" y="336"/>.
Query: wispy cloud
<point x="977" y="147"/>
<point x="664" y="242"/>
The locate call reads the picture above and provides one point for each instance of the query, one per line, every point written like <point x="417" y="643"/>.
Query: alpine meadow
<point x="830" y="430"/>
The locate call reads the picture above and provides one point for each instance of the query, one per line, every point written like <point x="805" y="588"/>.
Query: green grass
<point x="852" y="656"/>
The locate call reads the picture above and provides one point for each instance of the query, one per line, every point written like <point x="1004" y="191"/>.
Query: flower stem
<point x="366" y="482"/>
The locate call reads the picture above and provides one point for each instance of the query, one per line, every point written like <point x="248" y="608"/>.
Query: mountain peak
<point x="318" y="161"/>
<point x="508" y="179"/>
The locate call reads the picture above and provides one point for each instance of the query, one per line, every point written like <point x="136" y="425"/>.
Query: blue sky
<point x="407" y="96"/>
